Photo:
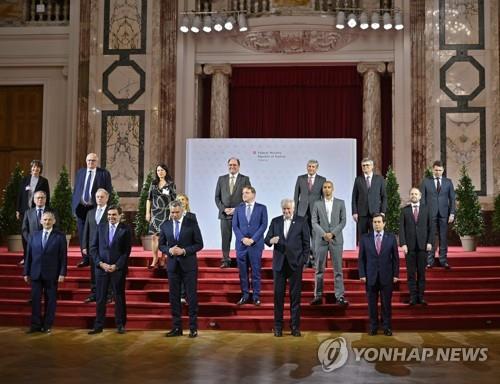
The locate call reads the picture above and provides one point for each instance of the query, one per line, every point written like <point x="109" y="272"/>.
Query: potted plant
<point x="469" y="222"/>
<point x="9" y="224"/>
<point x="60" y="202"/>
<point x="393" y="202"/>
<point x="141" y="226"/>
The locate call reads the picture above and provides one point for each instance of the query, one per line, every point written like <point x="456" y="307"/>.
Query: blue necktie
<point x="39" y="214"/>
<point x="111" y="233"/>
<point x="86" y="195"/>
<point x="249" y="212"/>
<point x="45" y="238"/>
<point x="176" y="231"/>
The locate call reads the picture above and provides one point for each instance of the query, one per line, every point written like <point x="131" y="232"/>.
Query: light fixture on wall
<point x="358" y="16"/>
<point x="212" y="21"/>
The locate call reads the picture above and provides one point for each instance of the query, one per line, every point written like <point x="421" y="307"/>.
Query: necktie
<point x="415" y="213"/>
<point x="111" y="233"/>
<point x="86" y="194"/>
<point x="176" y="231"/>
<point x="368" y="183"/>
<point x="378" y="243"/>
<point x="286" y="227"/>
<point x="39" y="214"/>
<point x="249" y="212"/>
<point x="438" y="184"/>
<point x="310" y="183"/>
<point x="98" y="216"/>
<point x="231" y="184"/>
<point x="45" y="238"/>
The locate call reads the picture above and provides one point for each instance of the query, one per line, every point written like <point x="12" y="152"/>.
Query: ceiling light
<point x="195" y="27"/>
<point x="242" y="22"/>
<point x="340" y="20"/>
<point x="387" y="21"/>
<point x="230" y="23"/>
<point x="375" y="20"/>
<point x="398" y="21"/>
<point x="218" y="26"/>
<point x="185" y="24"/>
<point x="207" y="24"/>
<point x="363" y="21"/>
<point x="351" y="20"/>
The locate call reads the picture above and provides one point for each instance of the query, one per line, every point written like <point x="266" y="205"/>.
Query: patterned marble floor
<point x="72" y="356"/>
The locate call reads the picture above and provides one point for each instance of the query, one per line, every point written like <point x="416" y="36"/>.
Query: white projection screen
<point x="273" y="166"/>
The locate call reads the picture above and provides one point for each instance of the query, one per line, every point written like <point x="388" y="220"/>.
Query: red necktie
<point x="415" y="213"/>
<point x="378" y="243"/>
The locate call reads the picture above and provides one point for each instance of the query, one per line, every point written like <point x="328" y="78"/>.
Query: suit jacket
<point x="337" y="223"/>
<point x="304" y="199"/>
<point x="190" y="239"/>
<point x="22" y="198"/>
<point x="31" y="224"/>
<point x="90" y="228"/>
<point x="224" y="199"/>
<point x="46" y="263"/>
<point x="102" y="180"/>
<point x="254" y="229"/>
<point x="117" y="252"/>
<point x="368" y="202"/>
<point x="384" y="266"/>
<point x="295" y="248"/>
<point x="416" y="235"/>
<point x="442" y="202"/>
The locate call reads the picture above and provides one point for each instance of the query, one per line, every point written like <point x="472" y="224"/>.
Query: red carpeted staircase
<point x="465" y="297"/>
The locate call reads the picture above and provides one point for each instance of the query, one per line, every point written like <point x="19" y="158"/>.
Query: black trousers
<point x="385" y="292"/>
<point x="416" y="261"/>
<point x="117" y="281"/>
<point x="176" y="278"/>
<point x="295" y="281"/>
<point x="49" y="290"/>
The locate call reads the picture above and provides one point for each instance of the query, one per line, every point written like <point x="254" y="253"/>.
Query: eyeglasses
<point x="365" y="165"/>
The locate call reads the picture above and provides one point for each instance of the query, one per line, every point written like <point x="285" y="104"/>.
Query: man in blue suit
<point x="290" y="237"/>
<point x="439" y="195"/>
<point x="44" y="268"/>
<point x="249" y="224"/>
<point x="378" y="264"/>
<point x="87" y="182"/>
<point x="110" y="249"/>
<point x="180" y="239"/>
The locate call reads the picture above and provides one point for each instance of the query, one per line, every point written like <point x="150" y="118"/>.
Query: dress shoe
<point x="429" y="266"/>
<point x="317" y="301"/>
<point x="46" y="330"/>
<point x="225" y="265"/>
<point x="256" y="302"/>
<point x="121" y="330"/>
<point x="412" y="302"/>
<point x="422" y="302"/>
<point x="446" y="266"/>
<point x="278" y="333"/>
<point x="183" y="301"/>
<point x="34" y="330"/>
<point x="296" y="332"/>
<point x="89" y="299"/>
<point x="109" y="300"/>
<point x="83" y="264"/>
<point x="242" y="301"/>
<point x="372" y="332"/>
<point x="21" y="263"/>
<point x="95" y="331"/>
<point x="174" y="332"/>
<point x="343" y="302"/>
<point x="388" y="332"/>
<point x="193" y="333"/>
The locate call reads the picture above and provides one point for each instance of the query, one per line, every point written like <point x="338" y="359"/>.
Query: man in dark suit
<point x="249" y="224"/>
<point x="95" y="216"/>
<point x="368" y="197"/>
<point x="416" y="231"/>
<point x="227" y="198"/>
<point x="328" y="220"/>
<point x="32" y="220"/>
<point x="110" y="249"/>
<point x="45" y="267"/>
<point x="87" y="182"/>
<point x="180" y="239"/>
<point x="308" y="190"/>
<point x="439" y="195"/>
<point x="290" y="237"/>
<point x="378" y="264"/>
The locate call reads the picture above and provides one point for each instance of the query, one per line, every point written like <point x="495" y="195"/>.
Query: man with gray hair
<point x="308" y="190"/>
<point x="289" y="235"/>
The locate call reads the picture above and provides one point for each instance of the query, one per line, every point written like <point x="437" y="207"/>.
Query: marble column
<point x="372" y="123"/>
<point x="219" y="105"/>
<point x="419" y="68"/>
<point x="198" y="118"/>
<point x="163" y="141"/>
<point x="82" y="128"/>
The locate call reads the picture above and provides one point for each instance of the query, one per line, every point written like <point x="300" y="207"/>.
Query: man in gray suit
<point x="308" y="190"/>
<point x="368" y="197"/>
<point x="95" y="216"/>
<point x="328" y="220"/>
<point x="33" y="216"/>
<point x="228" y="195"/>
<point x="439" y="195"/>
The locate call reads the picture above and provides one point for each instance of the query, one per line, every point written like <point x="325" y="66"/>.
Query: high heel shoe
<point x="153" y="265"/>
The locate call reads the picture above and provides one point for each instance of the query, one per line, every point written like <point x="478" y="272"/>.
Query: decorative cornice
<point x="295" y="41"/>
<point x="210" y="69"/>
<point x="367" y="67"/>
